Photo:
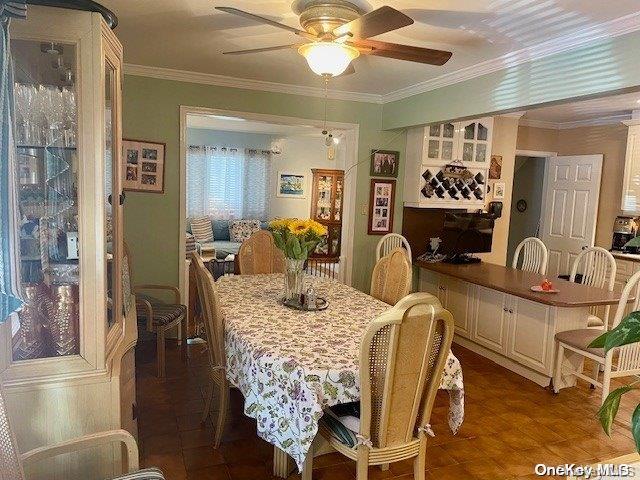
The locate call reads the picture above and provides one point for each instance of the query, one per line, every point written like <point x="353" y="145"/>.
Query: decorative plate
<point x="538" y="288"/>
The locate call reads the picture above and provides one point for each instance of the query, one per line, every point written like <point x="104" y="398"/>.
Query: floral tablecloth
<point x="290" y="364"/>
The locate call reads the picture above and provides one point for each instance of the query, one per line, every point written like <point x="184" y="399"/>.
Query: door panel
<point x="570" y="206"/>
<point x="529" y="336"/>
<point x="490" y="326"/>
<point x="457" y="301"/>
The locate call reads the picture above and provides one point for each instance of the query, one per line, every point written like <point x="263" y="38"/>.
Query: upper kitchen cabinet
<point x="467" y="146"/>
<point x="631" y="183"/>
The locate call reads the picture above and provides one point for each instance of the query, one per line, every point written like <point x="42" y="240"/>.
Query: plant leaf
<point x="297" y="249"/>
<point x="609" y="408"/>
<point x="635" y="426"/>
<point x="279" y="241"/>
<point x="627" y="331"/>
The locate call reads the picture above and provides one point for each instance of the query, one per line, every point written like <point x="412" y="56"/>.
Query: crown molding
<point x="247" y="84"/>
<point x="591" y="122"/>
<point x="613" y="28"/>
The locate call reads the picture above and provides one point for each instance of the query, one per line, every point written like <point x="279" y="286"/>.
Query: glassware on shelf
<point x="30" y="342"/>
<point x="63" y="316"/>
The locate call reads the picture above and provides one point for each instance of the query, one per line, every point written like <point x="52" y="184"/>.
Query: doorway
<point x="345" y="154"/>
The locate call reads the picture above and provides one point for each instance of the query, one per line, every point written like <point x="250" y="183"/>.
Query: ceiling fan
<point x="336" y="32"/>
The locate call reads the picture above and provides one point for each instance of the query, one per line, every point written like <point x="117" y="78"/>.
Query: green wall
<point x="152" y="112"/>
<point x="598" y="68"/>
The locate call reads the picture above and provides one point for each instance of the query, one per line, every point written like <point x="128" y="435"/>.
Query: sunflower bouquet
<point x="297" y="238"/>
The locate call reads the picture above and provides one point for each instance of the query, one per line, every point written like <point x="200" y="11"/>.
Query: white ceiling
<point x="190" y="35"/>
<point x="599" y="110"/>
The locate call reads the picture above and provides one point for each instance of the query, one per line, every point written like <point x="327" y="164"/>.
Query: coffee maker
<point x="624" y="229"/>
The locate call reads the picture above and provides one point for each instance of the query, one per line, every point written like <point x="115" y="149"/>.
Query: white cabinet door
<point x="474" y="141"/>
<point x="530" y="335"/>
<point x="458" y="299"/>
<point x="440" y="144"/>
<point x="430" y="282"/>
<point x="490" y="319"/>
<point x="631" y="182"/>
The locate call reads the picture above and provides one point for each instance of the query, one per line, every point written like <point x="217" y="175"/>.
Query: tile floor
<point x="511" y="424"/>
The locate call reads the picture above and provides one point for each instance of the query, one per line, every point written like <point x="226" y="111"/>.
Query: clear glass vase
<point x="294" y="279"/>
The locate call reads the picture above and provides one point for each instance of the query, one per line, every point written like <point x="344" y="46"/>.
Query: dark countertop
<point x="519" y="283"/>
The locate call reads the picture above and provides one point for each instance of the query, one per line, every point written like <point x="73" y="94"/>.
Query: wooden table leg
<point x="283" y="464"/>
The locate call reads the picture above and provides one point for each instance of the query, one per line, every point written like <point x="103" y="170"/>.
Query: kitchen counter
<point x="634" y="257"/>
<point x="518" y="283"/>
<point x="498" y="316"/>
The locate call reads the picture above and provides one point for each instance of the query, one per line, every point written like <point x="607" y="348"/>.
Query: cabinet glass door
<point x="475" y="137"/>
<point x="46" y="132"/>
<point x="440" y="141"/>
<point x="324" y="201"/>
<point x="111" y="199"/>
<point x="337" y="202"/>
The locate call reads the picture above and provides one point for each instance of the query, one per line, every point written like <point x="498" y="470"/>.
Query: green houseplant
<point x="625" y="333"/>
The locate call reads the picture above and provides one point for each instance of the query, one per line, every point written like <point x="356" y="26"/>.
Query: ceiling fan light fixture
<point x="328" y="58"/>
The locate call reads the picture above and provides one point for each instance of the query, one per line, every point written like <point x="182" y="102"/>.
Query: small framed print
<point x="495" y="169"/>
<point x="498" y="190"/>
<point x="143" y="166"/>
<point x="381" y="199"/>
<point x="384" y="163"/>
<point x="291" y="185"/>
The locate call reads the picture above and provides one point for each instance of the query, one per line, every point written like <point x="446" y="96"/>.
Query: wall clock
<point x="521" y="205"/>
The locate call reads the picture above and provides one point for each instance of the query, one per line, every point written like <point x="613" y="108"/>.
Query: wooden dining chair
<point x="160" y="316"/>
<point x="402" y="359"/>
<point x="259" y="254"/>
<point x="12" y="462"/>
<point x="534" y="256"/>
<point x="390" y="242"/>
<point x="214" y="329"/>
<point x="577" y="342"/>
<point x="391" y="277"/>
<point x="598" y="269"/>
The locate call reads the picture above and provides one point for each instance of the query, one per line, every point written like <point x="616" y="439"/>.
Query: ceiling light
<point x="328" y="58"/>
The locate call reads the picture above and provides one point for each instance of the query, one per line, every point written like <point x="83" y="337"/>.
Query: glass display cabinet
<point x="326" y="208"/>
<point x="70" y="340"/>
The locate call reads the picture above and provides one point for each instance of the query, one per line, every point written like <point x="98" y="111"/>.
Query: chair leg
<point x="557" y="374"/>
<point x="223" y="406"/>
<point x="307" y="468"/>
<point x="596" y="371"/>
<point x="182" y="334"/>
<point x="207" y="405"/>
<point x="362" y="463"/>
<point x="160" y="353"/>
<point x="420" y="462"/>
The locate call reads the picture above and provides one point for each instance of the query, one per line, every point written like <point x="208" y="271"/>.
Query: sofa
<point x="222" y="239"/>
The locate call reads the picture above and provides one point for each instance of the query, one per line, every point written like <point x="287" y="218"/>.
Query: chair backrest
<point x="391" y="278"/>
<point x="259" y="254"/>
<point x="598" y="269"/>
<point x="213" y="316"/>
<point x="324" y="267"/>
<point x="390" y="242"/>
<point x="10" y="465"/>
<point x="629" y="355"/>
<point x="534" y="255"/>
<point x="404" y="352"/>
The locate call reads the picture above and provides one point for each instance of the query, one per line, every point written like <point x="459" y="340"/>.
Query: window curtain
<point x="228" y="183"/>
<point x="10" y="300"/>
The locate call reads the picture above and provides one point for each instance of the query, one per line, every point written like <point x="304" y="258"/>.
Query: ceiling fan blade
<point x="381" y="20"/>
<point x="349" y="71"/>
<point x="402" y="52"/>
<point x="259" y="19"/>
<point x="258" y="50"/>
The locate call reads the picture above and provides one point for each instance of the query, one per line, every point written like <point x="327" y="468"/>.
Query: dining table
<point x="290" y="365"/>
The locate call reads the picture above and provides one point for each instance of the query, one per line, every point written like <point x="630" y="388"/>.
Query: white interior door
<point x="569" y="208"/>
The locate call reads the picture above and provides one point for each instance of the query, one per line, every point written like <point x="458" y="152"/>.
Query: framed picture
<point x="143" y="166"/>
<point x="381" y="199"/>
<point x="498" y="190"/>
<point x="495" y="169"/>
<point x="384" y="163"/>
<point x="291" y="185"/>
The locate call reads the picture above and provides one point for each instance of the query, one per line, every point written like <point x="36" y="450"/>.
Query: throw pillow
<point x="241" y="230"/>
<point x="202" y="230"/>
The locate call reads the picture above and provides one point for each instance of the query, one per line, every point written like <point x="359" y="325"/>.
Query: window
<point x="228" y="183"/>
